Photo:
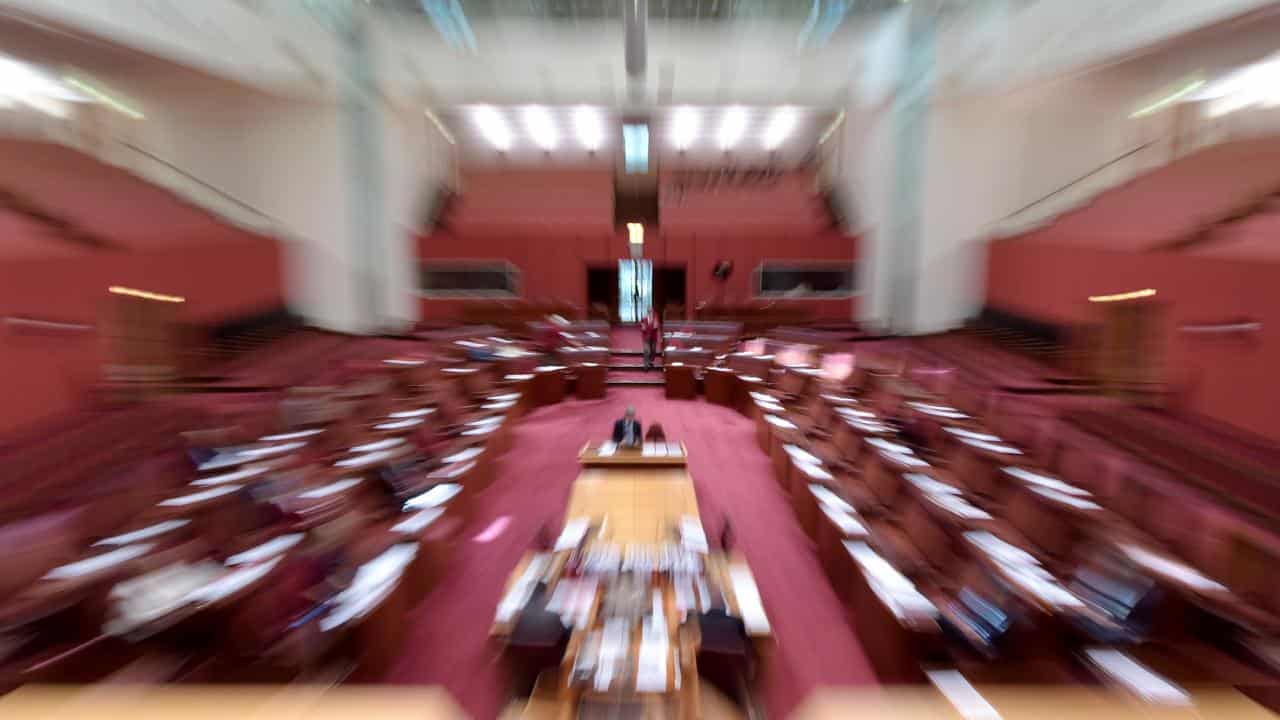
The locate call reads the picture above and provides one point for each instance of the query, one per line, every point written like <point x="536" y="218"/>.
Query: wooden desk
<point x="158" y="702"/>
<point x="635" y="506"/>
<point x="590" y="456"/>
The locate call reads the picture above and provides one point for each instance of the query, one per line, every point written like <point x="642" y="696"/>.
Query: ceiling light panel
<point x="733" y="125"/>
<point x="540" y="127"/>
<point x="779" y="128"/>
<point x="685" y="124"/>
<point x="589" y="127"/>
<point x="493" y="126"/>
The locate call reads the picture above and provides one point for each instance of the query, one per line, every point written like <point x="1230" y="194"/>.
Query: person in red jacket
<point x="651" y="333"/>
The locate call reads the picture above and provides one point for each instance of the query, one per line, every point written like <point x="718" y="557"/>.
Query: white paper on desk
<point x="572" y="534"/>
<point x="704" y="594"/>
<point x="499" y="405"/>
<point x="685" y="602"/>
<point x="200" y="496"/>
<point x="1136" y="677"/>
<point x="893" y="588"/>
<point x="98" y="562"/>
<point x="674" y="449"/>
<point x="613" y="649"/>
<point x="438" y="495"/>
<point x="992" y="447"/>
<point x="647" y="450"/>
<point x="504" y="397"/>
<point x="961" y="432"/>
<point x="379" y="445"/>
<point x="692" y="536"/>
<point x="420" y="412"/>
<point x="826" y="497"/>
<point x="607" y="449"/>
<point x="848" y="524"/>
<point x="908" y="460"/>
<point x="1037" y="581"/>
<point x="232" y="581"/>
<point x="417" y="522"/>
<point x="856" y="414"/>
<point x="398" y="424"/>
<point x="780" y="422"/>
<point x="651" y="670"/>
<point x="462" y="455"/>
<point x="521" y="589"/>
<point x="799" y="454"/>
<point x="272" y="450"/>
<point x="332" y="488"/>
<point x="1074" y="501"/>
<point x="1000" y="550"/>
<point x="750" y="607"/>
<point x="145" y="533"/>
<point x="1033" y="478"/>
<point x="1171" y="568"/>
<point x="930" y="486"/>
<point x="268" y="549"/>
<point x="243" y="474"/>
<point x="518" y="377"/>
<point x="290" y="435"/>
<point x="958" y="506"/>
<point x="892" y="447"/>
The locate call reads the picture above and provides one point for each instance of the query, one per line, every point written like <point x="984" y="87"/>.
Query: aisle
<point x="448" y="633"/>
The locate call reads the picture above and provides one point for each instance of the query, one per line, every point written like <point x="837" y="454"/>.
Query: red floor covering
<point x="625" y="338"/>
<point x="447" y="635"/>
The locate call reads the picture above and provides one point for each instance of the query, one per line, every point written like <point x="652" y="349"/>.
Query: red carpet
<point x="447" y="636"/>
<point x="626" y="338"/>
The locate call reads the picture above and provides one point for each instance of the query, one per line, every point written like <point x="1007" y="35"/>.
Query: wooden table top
<point x="97" y="702"/>
<point x="590" y="455"/>
<point x="640" y="506"/>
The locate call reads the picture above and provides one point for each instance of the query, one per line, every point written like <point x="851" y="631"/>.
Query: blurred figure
<point x="651" y="332"/>
<point x="627" y="431"/>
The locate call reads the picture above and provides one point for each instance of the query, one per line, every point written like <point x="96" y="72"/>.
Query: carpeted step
<point x="636" y="382"/>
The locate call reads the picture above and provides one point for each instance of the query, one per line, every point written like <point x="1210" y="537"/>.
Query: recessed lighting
<point x="144" y="294"/>
<point x="1134" y="295"/>
<point x="538" y="123"/>
<point x="684" y="127"/>
<point x="493" y="126"/>
<point x="780" y="126"/>
<point x="635" y="232"/>
<point x="589" y="127"/>
<point x="732" y="127"/>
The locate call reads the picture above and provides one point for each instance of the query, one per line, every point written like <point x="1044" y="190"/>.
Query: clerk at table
<point x="627" y="431"/>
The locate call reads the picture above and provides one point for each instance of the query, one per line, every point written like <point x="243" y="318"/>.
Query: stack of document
<point x="607" y="449"/>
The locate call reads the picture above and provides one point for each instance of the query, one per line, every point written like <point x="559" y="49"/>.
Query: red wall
<point x="555" y="268"/>
<point x="1228" y="377"/>
<point x="44" y="374"/>
<point x="552" y="225"/>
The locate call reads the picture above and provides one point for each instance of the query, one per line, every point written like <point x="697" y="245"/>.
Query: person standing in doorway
<point x="651" y="334"/>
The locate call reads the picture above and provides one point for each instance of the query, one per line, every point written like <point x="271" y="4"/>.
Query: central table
<point x="634" y="504"/>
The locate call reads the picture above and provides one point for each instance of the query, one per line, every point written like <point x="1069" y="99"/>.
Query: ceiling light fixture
<point x="684" y="127"/>
<point x="780" y="127"/>
<point x="444" y="132"/>
<point x="732" y="126"/>
<point x="494" y="127"/>
<point x="103" y="97"/>
<point x="538" y="123"/>
<point x="589" y="127"/>
<point x="635" y="232"/>
<point x="1168" y="100"/>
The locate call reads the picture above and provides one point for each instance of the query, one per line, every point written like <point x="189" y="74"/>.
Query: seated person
<point x="627" y="431"/>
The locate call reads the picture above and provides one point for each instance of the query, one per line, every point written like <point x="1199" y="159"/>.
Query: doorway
<point x="635" y="289"/>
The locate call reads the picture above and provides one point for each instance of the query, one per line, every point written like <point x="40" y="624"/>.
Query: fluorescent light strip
<point x="1136" y="294"/>
<point x="684" y="127"/>
<point x="444" y="132"/>
<point x="538" y="123"/>
<point x="780" y="126"/>
<point x="1168" y="100"/>
<point x="494" y="127"/>
<point x="103" y="97"/>
<point x="589" y="127"/>
<point x="134" y="292"/>
<point x="636" y="233"/>
<point x="732" y="127"/>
